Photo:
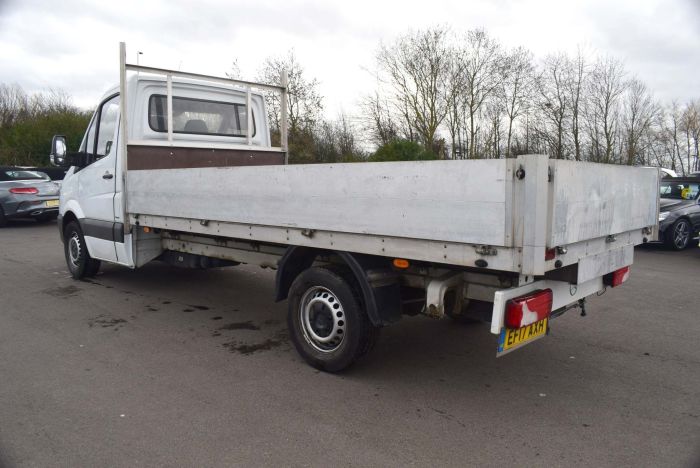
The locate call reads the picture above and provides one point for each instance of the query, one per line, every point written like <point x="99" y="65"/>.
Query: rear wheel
<point x="3" y="219"/>
<point x="327" y="322"/>
<point x="78" y="259"/>
<point x="678" y="235"/>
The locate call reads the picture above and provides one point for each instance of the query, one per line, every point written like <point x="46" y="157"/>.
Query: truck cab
<point x="203" y="115"/>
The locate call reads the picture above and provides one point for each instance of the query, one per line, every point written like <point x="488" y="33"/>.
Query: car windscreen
<point x="199" y="116"/>
<point x="679" y="190"/>
<point x="12" y="174"/>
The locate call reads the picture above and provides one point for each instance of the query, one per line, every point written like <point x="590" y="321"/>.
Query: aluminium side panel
<point x="595" y="200"/>
<point x="455" y="201"/>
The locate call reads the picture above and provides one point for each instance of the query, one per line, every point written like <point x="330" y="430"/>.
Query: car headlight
<point x="663" y="215"/>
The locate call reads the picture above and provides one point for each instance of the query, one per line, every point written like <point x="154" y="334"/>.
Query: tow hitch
<point x="581" y="304"/>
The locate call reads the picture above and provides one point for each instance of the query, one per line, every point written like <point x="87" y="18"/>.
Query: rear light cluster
<point x="528" y="309"/>
<point x="617" y="277"/>
<point x="24" y="190"/>
<point x="549" y="254"/>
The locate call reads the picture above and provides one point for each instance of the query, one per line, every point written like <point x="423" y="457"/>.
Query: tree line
<point x="439" y="94"/>
<point x="29" y="121"/>
<point x="447" y="95"/>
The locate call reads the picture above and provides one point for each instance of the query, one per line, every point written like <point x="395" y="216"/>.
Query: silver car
<point x="27" y="194"/>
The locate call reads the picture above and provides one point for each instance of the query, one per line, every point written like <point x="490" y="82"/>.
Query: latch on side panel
<point x="486" y="250"/>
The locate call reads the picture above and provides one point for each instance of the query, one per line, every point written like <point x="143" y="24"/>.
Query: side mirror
<point x="58" y="150"/>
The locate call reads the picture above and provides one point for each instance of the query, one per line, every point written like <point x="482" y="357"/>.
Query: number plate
<point x="510" y="339"/>
<point x="52" y="203"/>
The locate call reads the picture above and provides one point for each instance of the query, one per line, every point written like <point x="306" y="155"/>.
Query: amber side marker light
<point x="146" y="229"/>
<point x="401" y="263"/>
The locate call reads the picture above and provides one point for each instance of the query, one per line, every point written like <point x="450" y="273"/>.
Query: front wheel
<point x="78" y="259"/>
<point x="327" y="322"/>
<point x="678" y="235"/>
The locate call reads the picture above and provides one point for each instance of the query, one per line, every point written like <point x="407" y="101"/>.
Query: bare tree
<point x="516" y="88"/>
<point x="553" y="103"/>
<point x="13" y="104"/>
<point x="670" y="136"/>
<point x="690" y="125"/>
<point x="606" y="87"/>
<point x="576" y="81"/>
<point x="494" y="115"/>
<point x="454" y="119"/>
<point x="640" y="111"/>
<point x="235" y="71"/>
<point x="304" y="102"/>
<point x="483" y="69"/>
<point x="416" y="68"/>
<point x="378" y="121"/>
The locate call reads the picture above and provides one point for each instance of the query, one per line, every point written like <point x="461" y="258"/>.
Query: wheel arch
<point x="381" y="299"/>
<point x="63" y="221"/>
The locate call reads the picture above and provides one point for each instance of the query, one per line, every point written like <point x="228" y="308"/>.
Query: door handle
<point x="107" y="175"/>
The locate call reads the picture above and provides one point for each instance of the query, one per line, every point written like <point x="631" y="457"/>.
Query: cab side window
<point x="98" y="140"/>
<point x="109" y="118"/>
<point x="89" y="141"/>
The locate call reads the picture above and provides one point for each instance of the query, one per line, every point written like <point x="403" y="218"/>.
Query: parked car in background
<point x="55" y="173"/>
<point x="27" y="194"/>
<point x="679" y="211"/>
<point x="665" y="173"/>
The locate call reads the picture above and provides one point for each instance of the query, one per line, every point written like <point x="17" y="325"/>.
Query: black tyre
<point x="79" y="262"/>
<point x="327" y="321"/>
<point x="3" y="219"/>
<point x="678" y="235"/>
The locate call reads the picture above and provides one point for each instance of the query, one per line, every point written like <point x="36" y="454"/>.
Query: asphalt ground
<point x="169" y="367"/>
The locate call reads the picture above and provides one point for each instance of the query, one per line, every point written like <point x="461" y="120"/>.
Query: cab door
<point x="97" y="182"/>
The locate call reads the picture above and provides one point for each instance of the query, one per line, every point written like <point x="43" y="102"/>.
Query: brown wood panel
<point x="161" y="157"/>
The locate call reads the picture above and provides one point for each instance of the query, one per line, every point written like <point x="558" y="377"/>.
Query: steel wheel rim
<point x="74" y="249"/>
<point x="681" y="234"/>
<point x="322" y="319"/>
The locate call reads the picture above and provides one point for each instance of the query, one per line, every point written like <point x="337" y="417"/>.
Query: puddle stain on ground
<point x="151" y="309"/>
<point x="216" y="318"/>
<point x="248" y="325"/>
<point x="277" y="340"/>
<point x="106" y="322"/>
<point x="65" y="291"/>
<point x="198" y="307"/>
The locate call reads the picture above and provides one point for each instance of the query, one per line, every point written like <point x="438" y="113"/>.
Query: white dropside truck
<point x="179" y="167"/>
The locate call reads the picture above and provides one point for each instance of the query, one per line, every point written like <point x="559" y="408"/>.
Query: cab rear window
<point x="198" y="116"/>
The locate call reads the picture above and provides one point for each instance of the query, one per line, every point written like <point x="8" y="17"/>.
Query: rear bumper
<point x="29" y="210"/>
<point x="564" y="294"/>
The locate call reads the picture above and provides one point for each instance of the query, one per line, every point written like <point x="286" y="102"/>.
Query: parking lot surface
<point x="170" y="367"/>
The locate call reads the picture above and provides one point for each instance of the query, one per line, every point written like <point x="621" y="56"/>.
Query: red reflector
<point x="530" y="308"/>
<point x="617" y="277"/>
<point x="24" y="190"/>
<point x="549" y="254"/>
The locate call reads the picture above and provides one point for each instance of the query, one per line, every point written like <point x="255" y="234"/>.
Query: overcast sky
<point x="73" y="45"/>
